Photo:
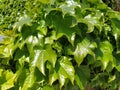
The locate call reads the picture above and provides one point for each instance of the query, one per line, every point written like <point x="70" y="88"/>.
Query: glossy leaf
<point x="106" y="49"/>
<point x="51" y="55"/>
<point x="83" y="48"/>
<point x="58" y="22"/>
<point x="30" y="79"/>
<point x="69" y="7"/>
<point x="23" y="20"/>
<point x="93" y="20"/>
<point x="39" y="60"/>
<point x="8" y="80"/>
<point x="66" y="70"/>
<point x="53" y="77"/>
<point x="59" y="44"/>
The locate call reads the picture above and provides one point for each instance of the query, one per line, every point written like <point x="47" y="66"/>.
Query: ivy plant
<point x="68" y="45"/>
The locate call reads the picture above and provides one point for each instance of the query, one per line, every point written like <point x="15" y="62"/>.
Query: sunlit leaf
<point x="39" y="60"/>
<point x="30" y="79"/>
<point x="51" y="55"/>
<point x="69" y="7"/>
<point x="83" y="48"/>
<point x="9" y="80"/>
<point x="106" y="53"/>
<point x="23" y="20"/>
<point x="66" y="70"/>
<point x="93" y="20"/>
<point x="53" y="77"/>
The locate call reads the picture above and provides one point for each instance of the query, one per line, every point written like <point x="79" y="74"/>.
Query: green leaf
<point x="29" y="81"/>
<point x="93" y="20"/>
<point x="66" y="70"/>
<point x="39" y="60"/>
<point x="47" y="87"/>
<point x="40" y="56"/>
<point x="53" y="77"/>
<point x="33" y="41"/>
<point x="116" y="32"/>
<point x="33" y="80"/>
<point x="51" y="55"/>
<point x="111" y="78"/>
<point x="9" y="80"/>
<point x="44" y="1"/>
<point x="83" y="48"/>
<point x="82" y="76"/>
<point x="23" y="20"/>
<point x="22" y="77"/>
<point x="42" y="27"/>
<point x="63" y="26"/>
<point x="50" y="2"/>
<point x="117" y="60"/>
<point x="106" y="50"/>
<point x="69" y="7"/>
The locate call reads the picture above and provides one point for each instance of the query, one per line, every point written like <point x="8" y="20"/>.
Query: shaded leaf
<point x="82" y="76"/>
<point x="62" y="25"/>
<point x="48" y="88"/>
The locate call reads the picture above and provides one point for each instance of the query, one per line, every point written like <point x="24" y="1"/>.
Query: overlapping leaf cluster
<point x="74" y="44"/>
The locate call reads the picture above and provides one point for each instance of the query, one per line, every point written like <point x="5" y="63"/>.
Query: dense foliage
<point x="59" y="44"/>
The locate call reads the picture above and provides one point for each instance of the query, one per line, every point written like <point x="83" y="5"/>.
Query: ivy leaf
<point x="106" y="53"/>
<point x="117" y="60"/>
<point x="33" y="41"/>
<point x="39" y="60"/>
<point x="9" y="80"/>
<point x="53" y="77"/>
<point x="51" y="55"/>
<point x="63" y="26"/>
<point x="23" y="20"/>
<point x="83" y="48"/>
<point x="66" y="70"/>
<point x="69" y="7"/>
<point x="46" y="87"/>
<point x="82" y="76"/>
<point x="29" y="81"/>
<point x="93" y="20"/>
<point x="116" y="32"/>
<point x="42" y="55"/>
<point x="47" y="1"/>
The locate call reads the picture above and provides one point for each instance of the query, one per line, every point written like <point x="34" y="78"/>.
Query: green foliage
<point x="62" y="44"/>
